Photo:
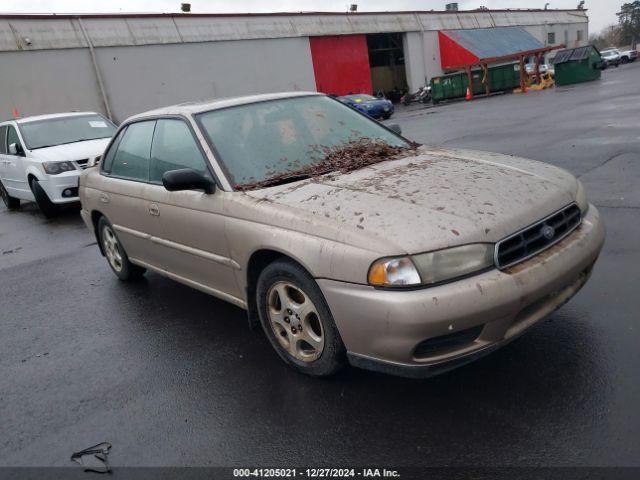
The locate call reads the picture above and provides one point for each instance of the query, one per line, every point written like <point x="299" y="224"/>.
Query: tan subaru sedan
<point x="344" y="240"/>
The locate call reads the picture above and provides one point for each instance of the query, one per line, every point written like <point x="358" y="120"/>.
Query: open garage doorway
<point x="386" y="60"/>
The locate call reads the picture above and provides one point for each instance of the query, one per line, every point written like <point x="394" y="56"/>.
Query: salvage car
<point x="41" y="157"/>
<point x="344" y="240"/>
<point x="378" y="108"/>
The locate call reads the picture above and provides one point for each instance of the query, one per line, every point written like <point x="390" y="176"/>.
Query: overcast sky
<point x="601" y="12"/>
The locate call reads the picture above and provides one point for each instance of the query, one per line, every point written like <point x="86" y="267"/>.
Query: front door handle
<point x="154" y="210"/>
<point x="104" y="198"/>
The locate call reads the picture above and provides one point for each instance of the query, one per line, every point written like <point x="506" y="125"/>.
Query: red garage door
<point x="341" y="64"/>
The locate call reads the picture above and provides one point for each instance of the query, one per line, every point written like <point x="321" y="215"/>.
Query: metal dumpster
<point x="501" y="78"/>
<point x="577" y="65"/>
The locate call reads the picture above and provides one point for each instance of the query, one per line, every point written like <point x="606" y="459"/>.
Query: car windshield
<point x="265" y="140"/>
<point x="361" y="97"/>
<point x="62" y="130"/>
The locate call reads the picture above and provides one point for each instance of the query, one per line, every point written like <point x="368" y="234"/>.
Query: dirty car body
<point x="410" y="265"/>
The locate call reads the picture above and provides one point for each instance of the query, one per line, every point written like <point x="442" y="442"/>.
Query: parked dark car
<point x="374" y="107"/>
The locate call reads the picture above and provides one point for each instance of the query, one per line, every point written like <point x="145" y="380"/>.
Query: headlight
<point x="393" y="272"/>
<point x="54" y="168"/>
<point x="581" y="198"/>
<point x="433" y="267"/>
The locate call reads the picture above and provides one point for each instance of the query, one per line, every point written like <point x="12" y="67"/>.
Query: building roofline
<point x="67" y="16"/>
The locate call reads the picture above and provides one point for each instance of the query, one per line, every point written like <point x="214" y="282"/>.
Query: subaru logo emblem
<point x="548" y="232"/>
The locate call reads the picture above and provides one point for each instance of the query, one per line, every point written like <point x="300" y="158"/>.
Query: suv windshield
<point x="259" y="141"/>
<point x="61" y="130"/>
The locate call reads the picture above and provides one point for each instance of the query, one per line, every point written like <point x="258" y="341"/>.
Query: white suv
<point x="41" y="157"/>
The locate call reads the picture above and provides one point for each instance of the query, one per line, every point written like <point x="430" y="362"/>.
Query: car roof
<point x="191" y="108"/>
<point x="51" y="116"/>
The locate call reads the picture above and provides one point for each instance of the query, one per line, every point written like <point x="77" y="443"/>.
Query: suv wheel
<point x="297" y="320"/>
<point x="47" y="207"/>
<point x="10" y="202"/>
<point x="116" y="256"/>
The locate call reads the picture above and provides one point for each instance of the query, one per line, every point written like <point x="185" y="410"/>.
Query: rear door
<point x="123" y="195"/>
<point x="192" y="222"/>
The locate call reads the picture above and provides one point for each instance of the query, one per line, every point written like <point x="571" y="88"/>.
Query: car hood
<point x="72" y="151"/>
<point x="436" y="199"/>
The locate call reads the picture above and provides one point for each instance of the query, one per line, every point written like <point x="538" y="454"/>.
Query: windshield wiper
<point x="275" y="181"/>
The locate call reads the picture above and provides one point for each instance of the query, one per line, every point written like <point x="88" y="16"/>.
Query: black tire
<point x="386" y="117"/>
<point x="624" y="60"/>
<point x="10" y="202"/>
<point x="333" y="356"/>
<point x="47" y="207"/>
<point x="127" y="271"/>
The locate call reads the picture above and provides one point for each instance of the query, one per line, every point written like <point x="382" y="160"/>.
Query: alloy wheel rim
<point x="111" y="249"/>
<point x="295" y="321"/>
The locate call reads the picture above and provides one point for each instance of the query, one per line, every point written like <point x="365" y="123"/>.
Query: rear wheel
<point x="116" y="256"/>
<point x="10" y="202"/>
<point x="297" y="320"/>
<point x="47" y="207"/>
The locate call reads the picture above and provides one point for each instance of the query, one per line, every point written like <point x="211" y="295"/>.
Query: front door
<point x="192" y="222"/>
<point x="14" y="176"/>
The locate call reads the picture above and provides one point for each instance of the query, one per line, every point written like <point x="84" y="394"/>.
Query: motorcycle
<point x="422" y="95"/>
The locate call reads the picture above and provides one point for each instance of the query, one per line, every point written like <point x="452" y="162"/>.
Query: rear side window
<point x="3" y="139"/>
<point x="132" y="156"/>
<point x="107" y="163"/>
<point x="173" y="148"/>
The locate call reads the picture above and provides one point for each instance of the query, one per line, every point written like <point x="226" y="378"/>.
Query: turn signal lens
<point x="393" y="272"/>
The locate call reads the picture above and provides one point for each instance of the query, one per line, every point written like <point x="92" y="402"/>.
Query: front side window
<point x="551" y="38"/>
<point x="260" y="141"/>
<point x="174" y="148"/>
<point x="580" y="35"/>
<point x="131" y="159"/>
<point x="12" y="137"/>
<point x="63" y="130"/>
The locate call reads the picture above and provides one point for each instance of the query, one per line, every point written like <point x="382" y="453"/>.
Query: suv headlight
<point x="433" y="267"/>
<point x="54" y="168"/>
<point x="581" y="199"/>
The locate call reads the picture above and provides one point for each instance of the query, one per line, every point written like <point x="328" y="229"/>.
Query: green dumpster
<point x="577" y="65"/>
<point x="501" y="78"/>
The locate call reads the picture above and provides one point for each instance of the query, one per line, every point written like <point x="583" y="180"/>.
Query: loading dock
<point x="386" y="60"/>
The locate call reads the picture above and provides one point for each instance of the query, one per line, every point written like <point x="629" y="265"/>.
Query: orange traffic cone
<point x="469" y="96"/>
<point x="15" y="113"/>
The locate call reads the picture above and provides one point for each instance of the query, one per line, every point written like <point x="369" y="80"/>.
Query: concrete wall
<point x="47" y="82"/>
<point x="140" y="78"/>
<point x="151" y="76"/>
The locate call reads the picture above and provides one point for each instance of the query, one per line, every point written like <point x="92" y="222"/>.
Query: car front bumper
<point x="382" y="328"/>
<point x="56" y="185"/>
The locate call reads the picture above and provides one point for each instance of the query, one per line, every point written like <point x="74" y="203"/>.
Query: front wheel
<point x="47" y="207"/>
<point x="297" y="320"/>
<point x="10" y="202"/>
<point x="116" y="256"/>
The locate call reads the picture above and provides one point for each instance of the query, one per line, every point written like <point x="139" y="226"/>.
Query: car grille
<point x="82" y="163"/>
<point x="537" y="237"/>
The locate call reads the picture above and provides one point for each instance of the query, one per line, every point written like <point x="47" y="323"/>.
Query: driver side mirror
<point x="394" y="127"/>
<point x="15" y="149"/>
<point x="187" y="179"/>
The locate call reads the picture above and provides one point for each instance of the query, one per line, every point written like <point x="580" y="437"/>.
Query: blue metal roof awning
<point x="495" y="42"/>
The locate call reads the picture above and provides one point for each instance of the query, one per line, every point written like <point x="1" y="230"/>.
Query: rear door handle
<point x="154" y="210"/>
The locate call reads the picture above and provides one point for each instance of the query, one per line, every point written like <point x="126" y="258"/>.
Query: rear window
<point x="3" y="139"/>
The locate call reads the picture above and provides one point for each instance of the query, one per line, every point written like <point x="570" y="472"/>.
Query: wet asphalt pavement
<point x="171" y="376"/>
